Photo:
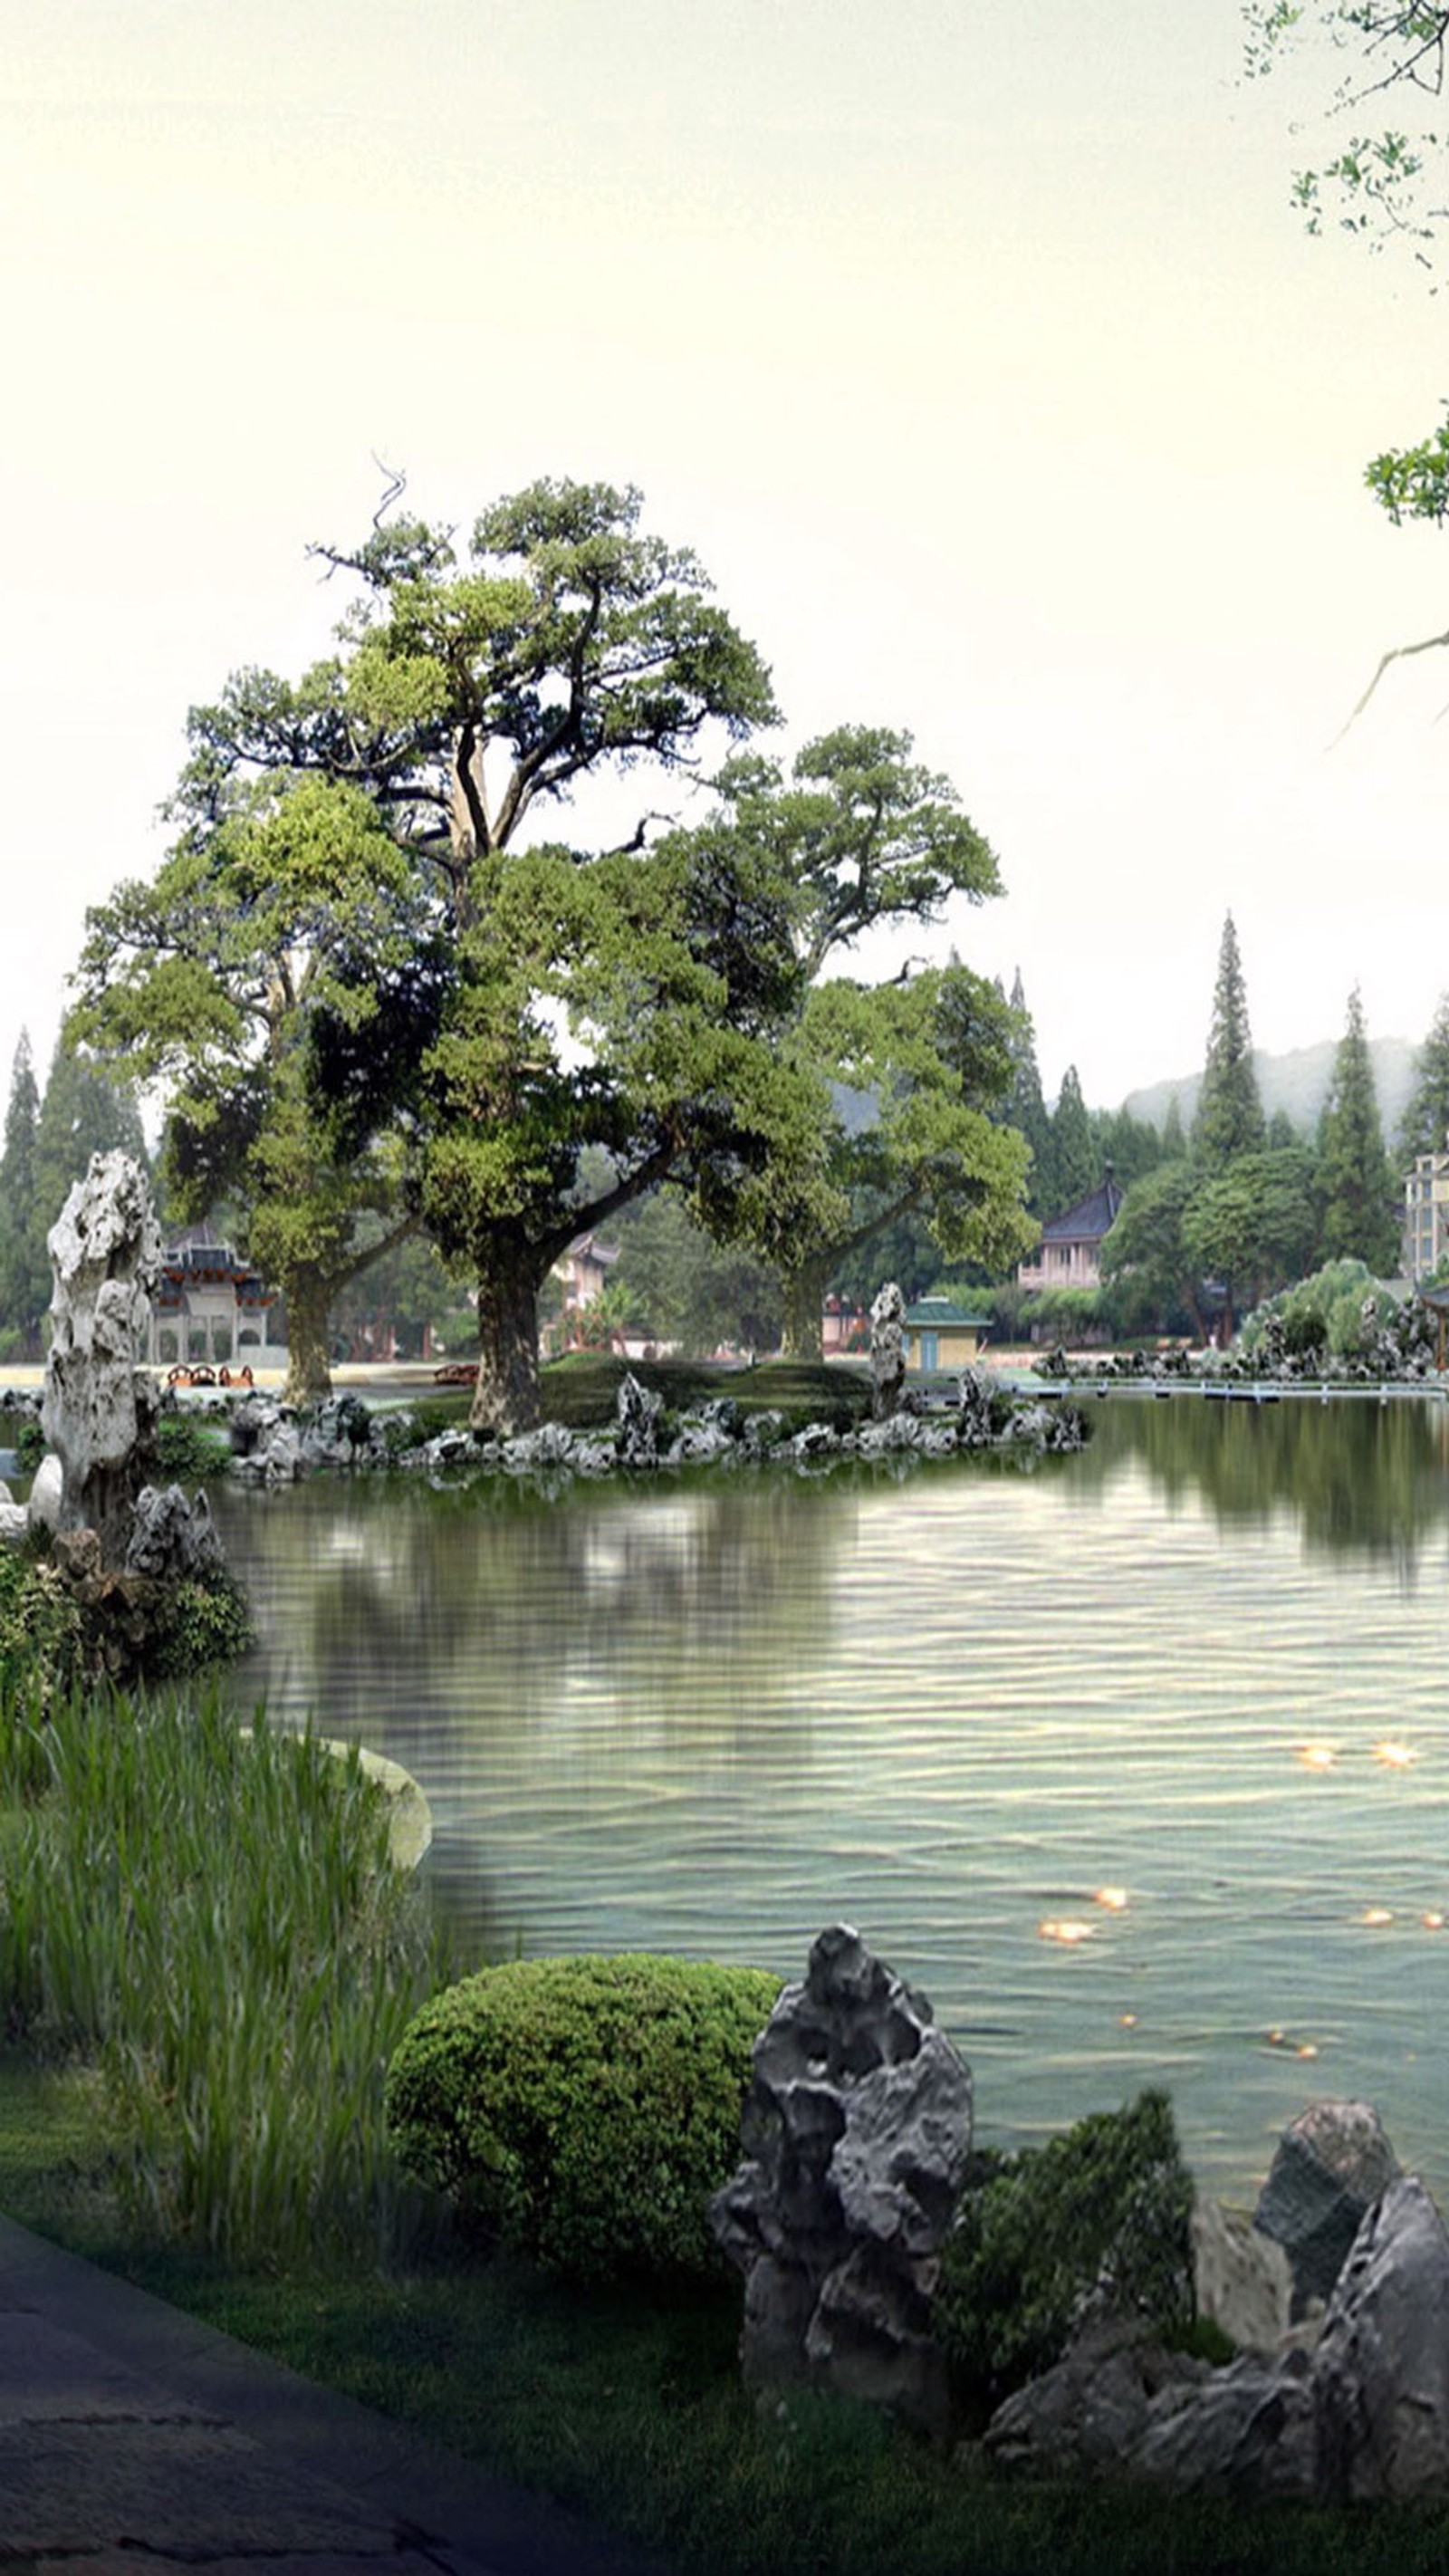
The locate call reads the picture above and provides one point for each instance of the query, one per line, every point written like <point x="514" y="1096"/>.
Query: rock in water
<point x="100" y="1403"/>
<point x="639" y="1409"/>
<point x="172" y="1540"/>
<point x="856" y="2132"/>
<point x="887" y="1351"/>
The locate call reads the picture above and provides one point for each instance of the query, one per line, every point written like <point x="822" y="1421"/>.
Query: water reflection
<point x="1359" y="1477"/>
<point x="1139" y="1764"/>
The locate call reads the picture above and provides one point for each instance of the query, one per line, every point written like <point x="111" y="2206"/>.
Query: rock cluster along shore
<point x="273" y="1444"/>
<point x="856" y="2141"/>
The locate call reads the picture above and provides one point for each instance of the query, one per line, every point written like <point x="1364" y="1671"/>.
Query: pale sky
<point x="975" y="348"/>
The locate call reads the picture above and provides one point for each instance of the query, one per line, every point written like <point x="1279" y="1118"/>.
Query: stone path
<point x="133" y="2436"/>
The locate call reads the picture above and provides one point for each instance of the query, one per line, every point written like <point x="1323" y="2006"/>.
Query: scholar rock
<point x="100" y="1403"/>
<point x="173" y="1540"/>
<point x="887" y="1351"/>
<point x="856" y="2133"/>
<point x="46" y="1489"/>
<point x="639" y="1410"/>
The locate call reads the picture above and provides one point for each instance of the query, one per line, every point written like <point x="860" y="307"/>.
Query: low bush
<point x="1105" y="2204"/>
<point x="583" y="2110"/>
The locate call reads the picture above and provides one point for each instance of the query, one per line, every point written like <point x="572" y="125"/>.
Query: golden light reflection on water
<point x="1394" y="1755"/>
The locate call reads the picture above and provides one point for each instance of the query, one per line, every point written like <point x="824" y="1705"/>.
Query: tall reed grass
<point x="215" y="1918"/>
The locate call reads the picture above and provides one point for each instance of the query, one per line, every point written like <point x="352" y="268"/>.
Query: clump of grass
<point x="216" y="1919"/>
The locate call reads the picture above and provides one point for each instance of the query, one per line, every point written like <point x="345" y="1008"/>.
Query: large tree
<point x="1425" y="1127"/>
<point x="906" y="1076"/>
<point x="280" y="977"/>
<point x="1229" y="1117"/>
<point x="1075" y="1165"/>
<point x="1023" y="1106"/>
<point x="1251" y="1227"/>
<point x="1355" y="1175"/>
<point x="620" y="997"/>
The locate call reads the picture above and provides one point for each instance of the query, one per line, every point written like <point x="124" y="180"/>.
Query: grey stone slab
<point x="190" y="2489"/>
<point x="46" y="2371"/>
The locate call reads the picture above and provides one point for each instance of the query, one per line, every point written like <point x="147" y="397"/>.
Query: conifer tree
<point x="1229" y="1119"/>
<point x="1174" y="1142"/>
<point x="24" y="1280"/>
<point x="1025" y="1109"/>
<point x="1355" y="1175"/>
<point x="1425" y="1128"/>
<point x="1074" y="1157"/>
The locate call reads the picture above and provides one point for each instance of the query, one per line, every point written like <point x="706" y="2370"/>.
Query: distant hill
<point x="1297" y="1082"/>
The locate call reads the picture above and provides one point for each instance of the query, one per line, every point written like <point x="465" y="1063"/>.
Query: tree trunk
<point x="309" y="1303"/>
<point x="802" y="1338"/>
<point x="506" y="1398"/>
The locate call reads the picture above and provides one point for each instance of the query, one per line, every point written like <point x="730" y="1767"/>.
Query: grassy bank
<point x="206" y="1957"/>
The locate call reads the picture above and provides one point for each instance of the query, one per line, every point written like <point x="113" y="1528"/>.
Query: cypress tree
<point x="1354" y="1172"/>
<point x="24" y="1278"/>
<point x="1073" y="1154"/>
<point x="1229" y="1119"/>
<point x="1174" y="1143"/>
<point x="1024" y="1106"/>
<point x="1425" y="1128"/>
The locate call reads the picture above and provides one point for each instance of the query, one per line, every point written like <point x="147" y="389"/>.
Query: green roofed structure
<point x="940" y="1335"/>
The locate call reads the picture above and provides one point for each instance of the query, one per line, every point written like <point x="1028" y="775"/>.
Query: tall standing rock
<point x="99" y="1409"/>
<point x="856" y="2133"/>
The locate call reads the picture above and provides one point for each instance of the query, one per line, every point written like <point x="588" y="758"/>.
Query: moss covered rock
<point x="583" y="2109"/>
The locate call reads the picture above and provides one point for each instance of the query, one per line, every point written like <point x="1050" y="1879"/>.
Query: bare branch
<point x="397" y="484"/>
<point x="1396" y="653"/>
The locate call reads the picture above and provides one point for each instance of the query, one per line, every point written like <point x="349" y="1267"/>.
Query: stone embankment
<point x="275" y="1444"/>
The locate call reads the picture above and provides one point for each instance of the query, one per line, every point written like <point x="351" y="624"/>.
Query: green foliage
<point x="583" y="2109"/>
<point x="1229" y="1117"/>
<point x="1254" y="1225"/>
<point x="1107" y="2203"/>
<point x="214" y="1916"/>
<point x="1324" y="1311"/>
<point x="41" y="1631"/>
<point x="1075" y="1168"/>
<point x="1425" y="1128"/>
<point x="188" y="1449"/>
<point x="1380" y="186"/>
<point x="188" y="1626"/>
<point x="1358" y="1184"/>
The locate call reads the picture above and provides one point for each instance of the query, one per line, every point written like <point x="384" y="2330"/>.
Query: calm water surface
<point x="1200" y="1670"/>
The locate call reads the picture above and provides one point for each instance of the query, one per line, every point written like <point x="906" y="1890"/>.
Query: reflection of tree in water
<point x="1362" y="1479"/>
<point x="693" y="1606"/>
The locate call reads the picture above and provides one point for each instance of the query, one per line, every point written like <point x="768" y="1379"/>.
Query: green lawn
<point x="629" y="2406"/>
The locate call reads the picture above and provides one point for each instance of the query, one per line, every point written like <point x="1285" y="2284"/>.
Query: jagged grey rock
<point x="1090" y="2411"/>
<point x="975" y="1420"/>
<point x="1381" y="2371"/>
<point x="100" y="1404"/>
<point x="14" y="1517"/>
<point x="1242" y="2279"/>
<point x="639" y="1410"/>
<point x="551" y="1445"/>
<point x="887" y="1350"/>
<point x="1248" y="2432"/>
<point x="856" y="2132"/>
<point x="1331" y="2164"/>
<point x="173" y="1540"/>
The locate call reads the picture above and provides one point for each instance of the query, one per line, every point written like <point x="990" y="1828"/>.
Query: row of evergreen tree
<point x="49" y="1141"/>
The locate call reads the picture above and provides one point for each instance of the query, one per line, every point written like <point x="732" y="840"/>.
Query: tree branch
<point x="1396" y="653"/>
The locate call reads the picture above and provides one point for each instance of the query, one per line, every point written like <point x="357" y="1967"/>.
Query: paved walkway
<point x="132" y="2436"/>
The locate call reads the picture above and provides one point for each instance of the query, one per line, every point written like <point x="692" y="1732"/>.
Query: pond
<point x="1138" y="1764"/>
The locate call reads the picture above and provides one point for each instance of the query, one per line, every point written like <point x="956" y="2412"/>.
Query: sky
<point x="975" y="348"/>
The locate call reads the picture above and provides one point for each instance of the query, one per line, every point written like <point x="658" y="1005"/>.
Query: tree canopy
<point x="1425" y="1127"/>
<point x="1355" y="1174"/>
<point x="1229" y="1116"/>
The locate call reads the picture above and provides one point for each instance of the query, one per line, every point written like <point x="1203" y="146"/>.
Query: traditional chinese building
<point x="209" y="1305"/>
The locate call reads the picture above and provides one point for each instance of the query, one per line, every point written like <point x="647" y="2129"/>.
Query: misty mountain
<point x="1297" y="1082"/>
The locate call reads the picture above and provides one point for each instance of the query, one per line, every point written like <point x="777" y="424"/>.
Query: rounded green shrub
<point x="583" y="2109"/>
